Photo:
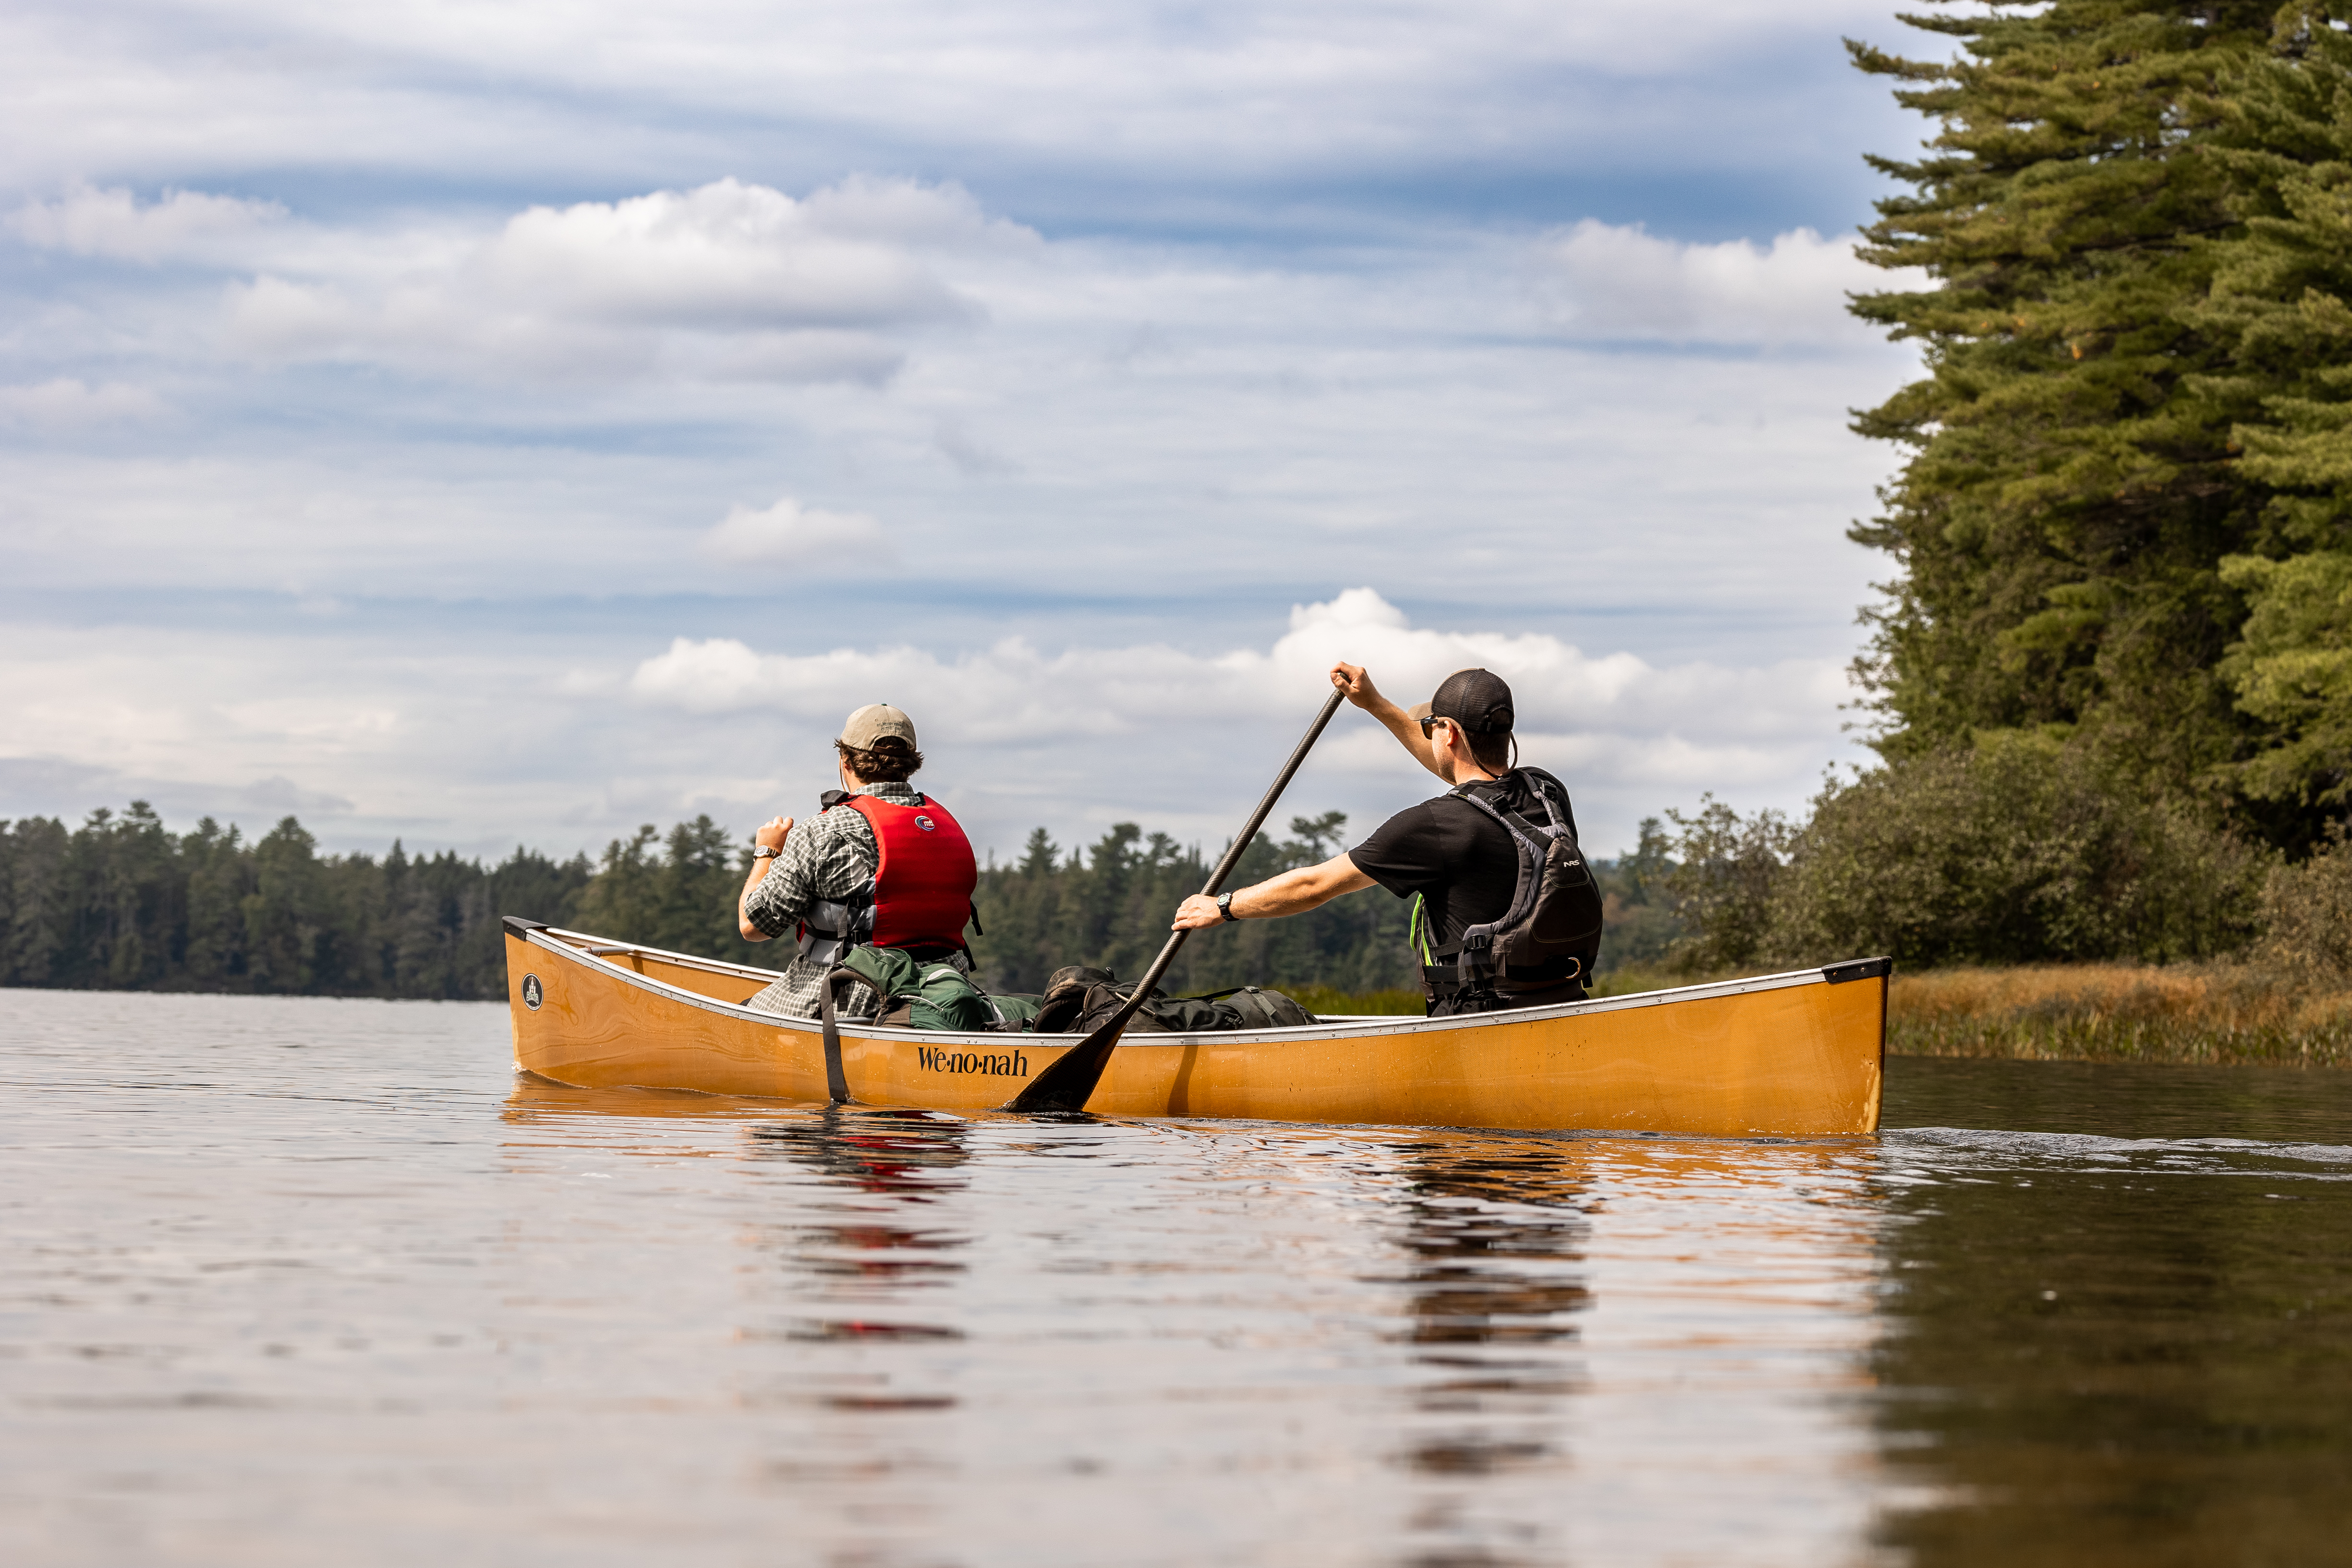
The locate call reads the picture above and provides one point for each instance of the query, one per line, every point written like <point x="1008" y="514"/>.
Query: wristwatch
<point x="1225" y="906"/>
<point x="761" y="852"/>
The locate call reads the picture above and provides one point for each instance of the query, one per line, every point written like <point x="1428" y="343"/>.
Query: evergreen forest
<point x="122" y="902"/>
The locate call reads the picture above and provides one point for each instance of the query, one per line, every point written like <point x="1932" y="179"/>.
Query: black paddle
<point x="1067" y="1083"/>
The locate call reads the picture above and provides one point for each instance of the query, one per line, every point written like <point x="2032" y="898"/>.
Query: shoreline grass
<point x="2216" y="1014"/>
<point x="2207" y="1014"/>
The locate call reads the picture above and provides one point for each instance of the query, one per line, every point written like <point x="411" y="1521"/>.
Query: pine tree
<point x="697" y="894"/>
<point x="2285" y="294"/>
<point x="288" y="911"/>
<point x="621" y="902"/>
<point x="2071" y="492"/>
<point x="217" y="865"/>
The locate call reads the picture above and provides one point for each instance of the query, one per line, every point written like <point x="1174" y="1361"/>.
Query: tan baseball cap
<point x="874" y="722"/>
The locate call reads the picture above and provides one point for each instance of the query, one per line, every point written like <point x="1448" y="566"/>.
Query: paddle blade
<point x="1068" y="1083"/>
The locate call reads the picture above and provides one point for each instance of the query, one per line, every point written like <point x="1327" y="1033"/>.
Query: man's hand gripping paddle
<point x="1066" y="1084"/>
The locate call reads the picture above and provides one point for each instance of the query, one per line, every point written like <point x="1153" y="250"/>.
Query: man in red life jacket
<point x="880" y="863"/>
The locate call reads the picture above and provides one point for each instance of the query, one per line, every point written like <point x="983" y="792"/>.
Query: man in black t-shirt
<point x="1457" y="863"/>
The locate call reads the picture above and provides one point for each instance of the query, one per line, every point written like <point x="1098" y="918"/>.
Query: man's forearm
<point x="1290" y="893"/>
<point x="1357" y="682"/>
<point x="1408" y="733"/>
<point x="752" y="932"/>
<point x="1286" y="894"/>
<point x="1295" y="892"/>
<point x="768" y="846"/>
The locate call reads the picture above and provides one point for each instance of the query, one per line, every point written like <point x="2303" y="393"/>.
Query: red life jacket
<point x="923" y="886"/>
<point x="920" y="895"/>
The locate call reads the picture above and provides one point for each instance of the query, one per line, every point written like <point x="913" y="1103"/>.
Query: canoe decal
<point x="532" y="994"/>
<point x="1015" y="1065"/>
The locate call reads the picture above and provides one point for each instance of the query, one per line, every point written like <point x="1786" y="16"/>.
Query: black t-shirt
<point x="1461" y="861"/>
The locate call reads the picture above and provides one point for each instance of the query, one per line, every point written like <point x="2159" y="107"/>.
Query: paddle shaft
<point x="1067" y="1083"/>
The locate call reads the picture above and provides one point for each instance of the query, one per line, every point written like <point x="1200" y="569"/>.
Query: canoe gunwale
<point x="552" y="939"/>
<point x="686" y="960"/>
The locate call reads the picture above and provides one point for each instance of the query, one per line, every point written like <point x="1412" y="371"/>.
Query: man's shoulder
<point x="842" y="820"/>
<point x="838" y="819"/>
<point x="1518" y="789"/>
<point x="1427" y="832"/>
<point x="837" y="825"/>
<point x="1418" y="814"/>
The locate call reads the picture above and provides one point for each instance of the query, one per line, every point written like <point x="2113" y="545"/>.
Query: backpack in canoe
<point x="936" y="994"/>
<point x="1078" y="999"/>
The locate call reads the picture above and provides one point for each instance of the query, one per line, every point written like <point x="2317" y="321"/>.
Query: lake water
<point x="305" y="1282"/>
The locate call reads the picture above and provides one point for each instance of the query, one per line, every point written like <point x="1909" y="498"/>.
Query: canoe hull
<point x="1782" y="1054"/>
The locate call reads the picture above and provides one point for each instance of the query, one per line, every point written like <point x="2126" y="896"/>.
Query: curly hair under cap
<point x="889" y="760"/>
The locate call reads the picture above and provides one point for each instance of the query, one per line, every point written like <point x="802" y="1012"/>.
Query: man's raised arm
<point x="1351" y="680"/>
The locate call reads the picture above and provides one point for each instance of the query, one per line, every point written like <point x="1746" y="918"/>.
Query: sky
<point x="491" y="424"/>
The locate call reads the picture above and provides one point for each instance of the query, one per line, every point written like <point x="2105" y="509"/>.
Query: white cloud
<point x="729" y="256"/>
<point x="788" y="533"/>
<point x="67" y="403"/>
<point x="502" y="735"/>
<point x="725" y="283"/>
<point x="1693" y="726"/>
<point x="180" y="226"/>
<point x="1606" y="281"/>
<point x="275" y="319"/>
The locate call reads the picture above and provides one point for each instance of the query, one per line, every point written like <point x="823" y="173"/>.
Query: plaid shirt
<point x="828" y="857"/>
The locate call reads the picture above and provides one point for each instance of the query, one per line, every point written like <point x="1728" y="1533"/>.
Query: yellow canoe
<point x="1791" y="1055"/>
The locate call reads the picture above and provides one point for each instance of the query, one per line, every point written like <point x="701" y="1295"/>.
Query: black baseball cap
<point x="1478" y="699"/>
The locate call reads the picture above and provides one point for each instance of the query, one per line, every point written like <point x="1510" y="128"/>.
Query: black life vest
<point x="920" y="897"/>
<point x="1549" y="936"/>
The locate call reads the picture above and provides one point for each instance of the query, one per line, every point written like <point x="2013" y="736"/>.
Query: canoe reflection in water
<point x="905" y="1156"/>
<point x="1494" y="1240"/>
<point x="908" y="1154"/>
<point x="1259" y="1342"/>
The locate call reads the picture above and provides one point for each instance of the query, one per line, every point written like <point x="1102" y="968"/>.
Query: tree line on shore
<point x="2016" y="853"/>
<point x="122" y="902"/>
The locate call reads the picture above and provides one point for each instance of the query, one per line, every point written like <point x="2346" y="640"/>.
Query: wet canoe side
<point x="1789" y="1055"/>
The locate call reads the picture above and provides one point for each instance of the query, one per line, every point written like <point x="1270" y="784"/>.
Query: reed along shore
<point x="2215" y="1014"/>
<point x="2218" y="1013"/>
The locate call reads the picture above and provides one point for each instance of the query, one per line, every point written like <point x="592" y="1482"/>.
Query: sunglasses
<point x="1430" y="722"/>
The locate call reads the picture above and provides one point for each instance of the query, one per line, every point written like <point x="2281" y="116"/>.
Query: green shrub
<point x="1727" y="870"/>
<point x="2020" y="848"/>
<point x="1640" y="925"/>
<point x="2307" y="914"/>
